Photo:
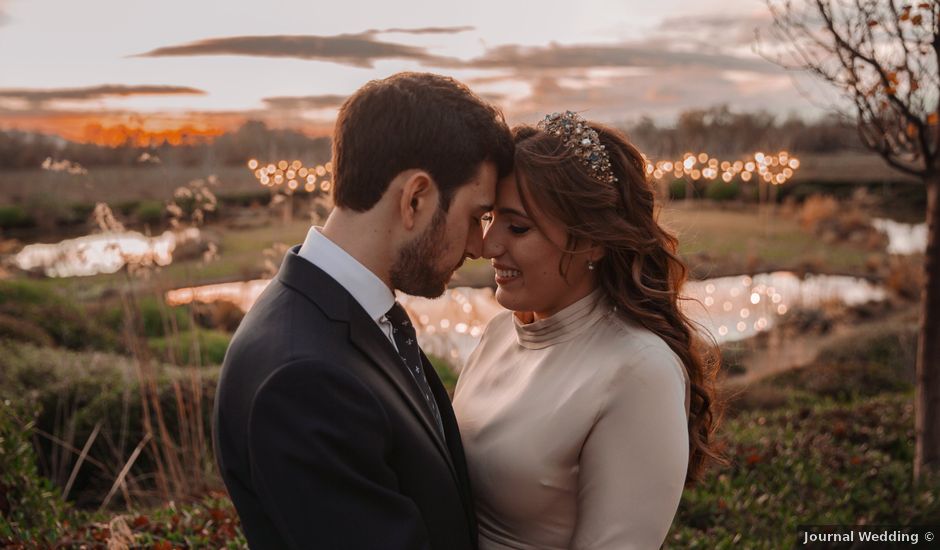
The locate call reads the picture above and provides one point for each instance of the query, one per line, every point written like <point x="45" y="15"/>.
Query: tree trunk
<point x="927" y="398"/>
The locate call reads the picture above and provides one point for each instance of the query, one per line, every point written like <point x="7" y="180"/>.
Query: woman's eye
<point x="486" y="218"/>
<point x="517" y="229"/>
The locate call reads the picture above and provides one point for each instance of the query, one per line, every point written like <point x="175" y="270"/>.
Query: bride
<point x="589" y="405"/>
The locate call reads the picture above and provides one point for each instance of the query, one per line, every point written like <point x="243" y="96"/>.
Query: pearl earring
<point x="591" y="265"/>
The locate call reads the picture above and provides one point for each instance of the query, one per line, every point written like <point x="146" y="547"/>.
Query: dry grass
<point x="743" y="239"/>
<point x="116" y="184"/>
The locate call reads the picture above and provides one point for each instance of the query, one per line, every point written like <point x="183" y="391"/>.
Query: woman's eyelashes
<point x="488" y="219"/>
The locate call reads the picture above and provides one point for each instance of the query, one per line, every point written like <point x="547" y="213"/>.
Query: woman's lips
<point x="506" y="275"/>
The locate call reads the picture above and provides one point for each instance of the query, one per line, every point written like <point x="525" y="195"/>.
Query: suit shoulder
<point x="313" y="383"/>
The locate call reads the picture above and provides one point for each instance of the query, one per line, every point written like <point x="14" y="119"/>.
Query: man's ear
<point x="419" y="198"/>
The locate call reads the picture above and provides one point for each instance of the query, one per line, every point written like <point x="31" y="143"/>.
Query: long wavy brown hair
<point x="640" y="271"/>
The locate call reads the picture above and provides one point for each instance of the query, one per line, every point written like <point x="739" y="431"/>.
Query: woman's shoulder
<point x="642" y="355"/>
<point x="497" y="330"/>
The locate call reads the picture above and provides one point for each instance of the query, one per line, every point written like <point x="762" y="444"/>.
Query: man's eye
<point x="518" y="230"/>
<point x="486" y="218"/>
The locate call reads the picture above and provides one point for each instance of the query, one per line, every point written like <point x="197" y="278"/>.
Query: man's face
<point x="426" y="264"/>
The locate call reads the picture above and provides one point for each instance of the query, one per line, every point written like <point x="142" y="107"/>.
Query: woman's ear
<point x="419" y="198"/>
<point x="596" y="252"/>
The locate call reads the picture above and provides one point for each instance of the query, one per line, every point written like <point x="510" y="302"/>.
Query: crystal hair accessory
<point x="583" y="140"/>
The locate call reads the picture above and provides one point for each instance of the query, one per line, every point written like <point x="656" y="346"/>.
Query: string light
<point x="775" y="169"/>
<point x="292" y="175"/>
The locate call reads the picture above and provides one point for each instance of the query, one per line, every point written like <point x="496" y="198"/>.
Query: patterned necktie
<point x="407" y="342"/>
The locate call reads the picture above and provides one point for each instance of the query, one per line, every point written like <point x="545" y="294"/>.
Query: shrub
<point x="31" y="508"/>
<point x="180" y="348"/>
<point x="149" y="212"/>
<point x="868" y="362"/>
<point x="677" y="189"/>
<point x="66" y="323"/>
<point x="23" y="330"/>
<point x="719" y="190"/>
<point x="74" y="391"/>
<point x="445" y="372"/>
<point x="821" y="464"/>
<point x="817" y="209"/>
<point x="156" y="318"/>
<point x="209" y="523"/>
<point x="14" y="216"/>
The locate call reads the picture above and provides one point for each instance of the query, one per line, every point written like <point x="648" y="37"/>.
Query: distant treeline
<point x="253" y="140"/>
<point x="716" y="131"/>
<point x="719" y="131"/>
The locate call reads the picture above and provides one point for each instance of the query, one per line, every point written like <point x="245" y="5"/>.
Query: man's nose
<point x="474" y="244"/>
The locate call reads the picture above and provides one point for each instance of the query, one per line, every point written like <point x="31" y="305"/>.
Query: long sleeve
<point x="633" y="463"/>
<point x="317" y="463"/>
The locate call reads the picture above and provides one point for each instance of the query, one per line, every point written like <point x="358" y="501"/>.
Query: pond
<point x="903" y="238"/>
<point x="101" y="253"/>
<point x="729" y="308"/>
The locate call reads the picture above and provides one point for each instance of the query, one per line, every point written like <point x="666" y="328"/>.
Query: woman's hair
<point x="640" y="272"/>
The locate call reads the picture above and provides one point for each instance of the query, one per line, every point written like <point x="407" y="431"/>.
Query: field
<point x="105" y="389"/>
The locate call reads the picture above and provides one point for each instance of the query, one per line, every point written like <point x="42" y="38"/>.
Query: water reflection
<point x="451" y="326"/>
<point x="730" y="308"/>
<point x="242" y="294"/>
<point x="101" y="253"/>
<point x="749" y="305"/>
<point x="903" y="238"/>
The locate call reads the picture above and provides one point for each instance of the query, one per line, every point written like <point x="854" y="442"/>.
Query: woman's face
<point x="526" y="256"/>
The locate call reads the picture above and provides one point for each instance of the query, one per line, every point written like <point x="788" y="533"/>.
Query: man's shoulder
<point x="282" y="327"/>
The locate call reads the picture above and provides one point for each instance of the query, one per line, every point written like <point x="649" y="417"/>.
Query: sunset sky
<point x="67" y="66"/>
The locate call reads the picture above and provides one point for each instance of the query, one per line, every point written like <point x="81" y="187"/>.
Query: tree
<point x="882" y="56"/>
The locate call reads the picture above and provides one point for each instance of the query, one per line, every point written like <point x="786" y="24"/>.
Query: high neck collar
<point x="563" y="325"/>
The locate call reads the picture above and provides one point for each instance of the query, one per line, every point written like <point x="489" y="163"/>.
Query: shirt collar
<point x="364" y="286"/>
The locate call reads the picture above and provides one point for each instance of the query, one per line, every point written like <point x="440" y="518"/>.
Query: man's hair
<point x="414" y="121"/>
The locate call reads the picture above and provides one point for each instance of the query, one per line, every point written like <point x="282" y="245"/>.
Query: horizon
<point x="94" y="68"/>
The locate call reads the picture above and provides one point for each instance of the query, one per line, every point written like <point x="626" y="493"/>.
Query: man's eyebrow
<point x="485" y="207"/>
<point x="512" y="211"/>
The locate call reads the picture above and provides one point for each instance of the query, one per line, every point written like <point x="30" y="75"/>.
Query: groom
<point x="331" y="428"/>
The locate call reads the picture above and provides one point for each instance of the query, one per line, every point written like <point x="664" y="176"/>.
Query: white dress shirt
<point x="364" y="286"/>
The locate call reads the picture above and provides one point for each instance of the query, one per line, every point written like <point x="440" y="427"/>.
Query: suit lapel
<point x="366" y="335"/>
<point x="337" y="304"/>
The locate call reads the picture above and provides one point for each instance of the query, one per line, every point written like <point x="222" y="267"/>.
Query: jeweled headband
<point x="583" y="140"/>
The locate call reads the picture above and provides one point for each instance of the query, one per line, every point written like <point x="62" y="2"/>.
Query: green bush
<point x="677" y="189"/>
<point x="209" y="523"/>
<point x="14" y="328"/>
<point x="68" y="324"/>
<point x="156" y="319"/>
<point x="31" y="508"/>
<point x="246" y="198"/>
<point x="150" y="212"/>
<point x="445" y="372"/>
<point x="14" y="216"/>
<point x="866" y="363"/>
<point x="82" y="211"/>
<point x="180" y="348"/>
<point x="719" y="190"/>
<point x="822" y="464"/>
<point x="73" y="391"/>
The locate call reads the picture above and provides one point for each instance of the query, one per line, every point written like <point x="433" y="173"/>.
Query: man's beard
<point x="414" y="271"/>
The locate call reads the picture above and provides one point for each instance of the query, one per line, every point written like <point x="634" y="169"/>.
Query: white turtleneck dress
<point x="575" y="431"/>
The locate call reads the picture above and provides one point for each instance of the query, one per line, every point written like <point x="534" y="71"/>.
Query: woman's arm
<point x="634" y="460"/>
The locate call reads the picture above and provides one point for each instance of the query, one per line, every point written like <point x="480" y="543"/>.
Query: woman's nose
<point x="492" y="247"/>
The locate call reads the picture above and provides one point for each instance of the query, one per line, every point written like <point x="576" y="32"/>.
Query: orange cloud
<point x="123" y="128"/>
